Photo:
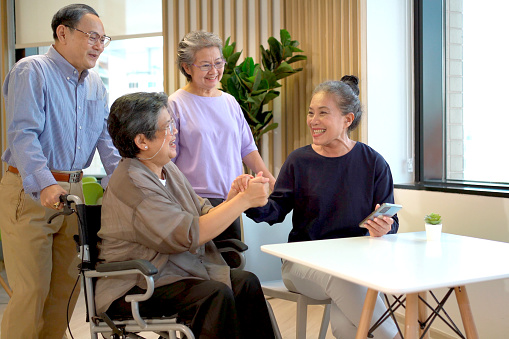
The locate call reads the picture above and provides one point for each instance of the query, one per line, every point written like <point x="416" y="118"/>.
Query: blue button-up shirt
<point x="56" y="120"/>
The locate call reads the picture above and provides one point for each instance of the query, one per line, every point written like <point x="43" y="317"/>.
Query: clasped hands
<point x="256" y="189"/>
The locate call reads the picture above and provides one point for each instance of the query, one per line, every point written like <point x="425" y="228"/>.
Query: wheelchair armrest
<point x="138" y="266"/>
<point x="232" y="243"/>
<point x="143" y="266"/>
<point x="232" y="252"/>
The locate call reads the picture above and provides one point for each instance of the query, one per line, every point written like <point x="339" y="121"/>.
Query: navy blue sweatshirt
<point x="329" y="196"/>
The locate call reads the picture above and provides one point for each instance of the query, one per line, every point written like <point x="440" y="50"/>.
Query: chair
<point x="232" y="251"/>
<point x="277" y="289"/>
<point x="92" y="193"/>
<point x="88" y="179"/>
<point x="89" y="217"/>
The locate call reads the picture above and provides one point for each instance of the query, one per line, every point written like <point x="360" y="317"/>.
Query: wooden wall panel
<point x="251" y="22"/>
<point x="244" y="16"/>
<point x="329" y="32"/>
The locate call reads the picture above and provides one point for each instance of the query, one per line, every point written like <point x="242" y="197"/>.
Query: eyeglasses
<point x="171" y="126"/>
<point x="93" y="37"/>
<point x="208" y="67"/>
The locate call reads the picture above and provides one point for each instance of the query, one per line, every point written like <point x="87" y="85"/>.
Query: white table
<point x="403" y="263"/>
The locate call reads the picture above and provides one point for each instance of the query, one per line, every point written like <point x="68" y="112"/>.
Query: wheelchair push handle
<point x="66" y="199"/>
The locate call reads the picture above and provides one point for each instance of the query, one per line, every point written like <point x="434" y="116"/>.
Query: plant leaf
<point x="253" y="85"/>
<point x="285" y="37"/>
<point x="270" y="96"/>
<point x="227" y="51"/>
<point x="232" y="59"/>
<point x="276" y="49"/>
<point x="268" y="115"/>
<point x="257" y="78"/>
<point x="295" y="49"/>
<point x="297" y="58"/>
<point x="270" y="127"/>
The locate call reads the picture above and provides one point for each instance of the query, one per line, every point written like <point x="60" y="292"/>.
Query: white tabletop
<point x="402" y="263"/>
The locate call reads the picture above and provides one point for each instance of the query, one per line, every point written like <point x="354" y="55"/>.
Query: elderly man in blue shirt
<point x="56" y="115"/>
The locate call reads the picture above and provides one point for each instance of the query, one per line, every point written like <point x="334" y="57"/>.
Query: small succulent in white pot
<point x="433" y="219"/>
<point x="433" y="226"/>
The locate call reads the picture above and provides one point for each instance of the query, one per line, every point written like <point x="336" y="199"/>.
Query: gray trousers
<point x="347" y="300"/>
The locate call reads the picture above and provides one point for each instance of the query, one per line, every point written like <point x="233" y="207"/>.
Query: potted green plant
<point x="433" y="226"/>
<point x="254" y="85"/>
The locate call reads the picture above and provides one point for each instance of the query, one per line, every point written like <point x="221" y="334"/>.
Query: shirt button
<point x="80" y="127"/>
<point x="79" y="147"/>
<point x="79" y="107"/>
<point x="68" y="78"/>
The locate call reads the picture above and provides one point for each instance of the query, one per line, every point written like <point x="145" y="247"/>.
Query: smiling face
<point x="73" y="45"/>
<point x="328" y="125"/>
<point x="205" y="82"/>
<point x="164" y="142"/>
<point x="158" y="151"/>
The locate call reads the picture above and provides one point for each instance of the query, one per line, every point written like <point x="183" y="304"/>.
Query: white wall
<point x="389" y="111"/>
<point x="389" y="104"/>
<point x="267" y="267"/>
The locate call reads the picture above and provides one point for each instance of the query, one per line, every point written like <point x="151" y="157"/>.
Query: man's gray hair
<point x="70" y="15"/>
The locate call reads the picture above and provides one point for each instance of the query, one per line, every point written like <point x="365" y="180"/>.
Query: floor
<point x="285" y="312"/>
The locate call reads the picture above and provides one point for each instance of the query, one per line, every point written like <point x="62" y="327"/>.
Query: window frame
<point x="430" y="108"/>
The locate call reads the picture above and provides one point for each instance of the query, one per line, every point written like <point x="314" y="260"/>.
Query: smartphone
<point x="386" y="209"/>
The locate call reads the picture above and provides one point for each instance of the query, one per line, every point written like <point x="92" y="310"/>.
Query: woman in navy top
<point x="331" y="186"/>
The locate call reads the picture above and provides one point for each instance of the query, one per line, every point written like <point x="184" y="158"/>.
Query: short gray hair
<point x="346" y="93"/>
<point x="70" y="15"/>
<point x="133" y="114"/>
<point x="191" y="43"/>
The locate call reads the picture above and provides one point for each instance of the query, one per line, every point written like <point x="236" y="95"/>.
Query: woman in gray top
<point x="150" y="211"/>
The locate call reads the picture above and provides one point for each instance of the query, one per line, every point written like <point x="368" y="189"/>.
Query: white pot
<point x="433" y="232"/>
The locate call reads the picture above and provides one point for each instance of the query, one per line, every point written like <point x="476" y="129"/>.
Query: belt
<point x="64" y="177"/>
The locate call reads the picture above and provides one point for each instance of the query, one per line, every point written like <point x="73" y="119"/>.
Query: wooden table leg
<point x="466" y="312"/>
<point x="367" y="314"/>
<point x="411" y="325"/>
<point x="422" y="314"/>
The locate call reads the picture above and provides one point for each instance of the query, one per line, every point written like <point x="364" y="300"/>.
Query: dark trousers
<point x="211" y="309"/>
<point x="233" y="231"/>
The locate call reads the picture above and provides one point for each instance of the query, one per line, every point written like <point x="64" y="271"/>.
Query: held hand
<point x="272" y="182"/>
<point x="239" y="185"/>
<point x="257" y="191"/>
<point x="379" y="226"/>
<point x="50" y="197"/>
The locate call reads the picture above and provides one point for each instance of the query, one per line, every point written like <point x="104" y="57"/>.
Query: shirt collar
<point x="68" y="70"/>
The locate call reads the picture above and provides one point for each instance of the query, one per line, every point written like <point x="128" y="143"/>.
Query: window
<point x="461" y="73"/>
<point x="133" y="62"/>
<point x="127" y="66"/>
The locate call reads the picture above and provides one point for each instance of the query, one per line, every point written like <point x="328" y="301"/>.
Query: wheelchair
<point x="89" y="221"/>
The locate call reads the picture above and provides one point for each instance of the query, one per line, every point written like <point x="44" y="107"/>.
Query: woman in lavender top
<point x="215" y="138"/>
